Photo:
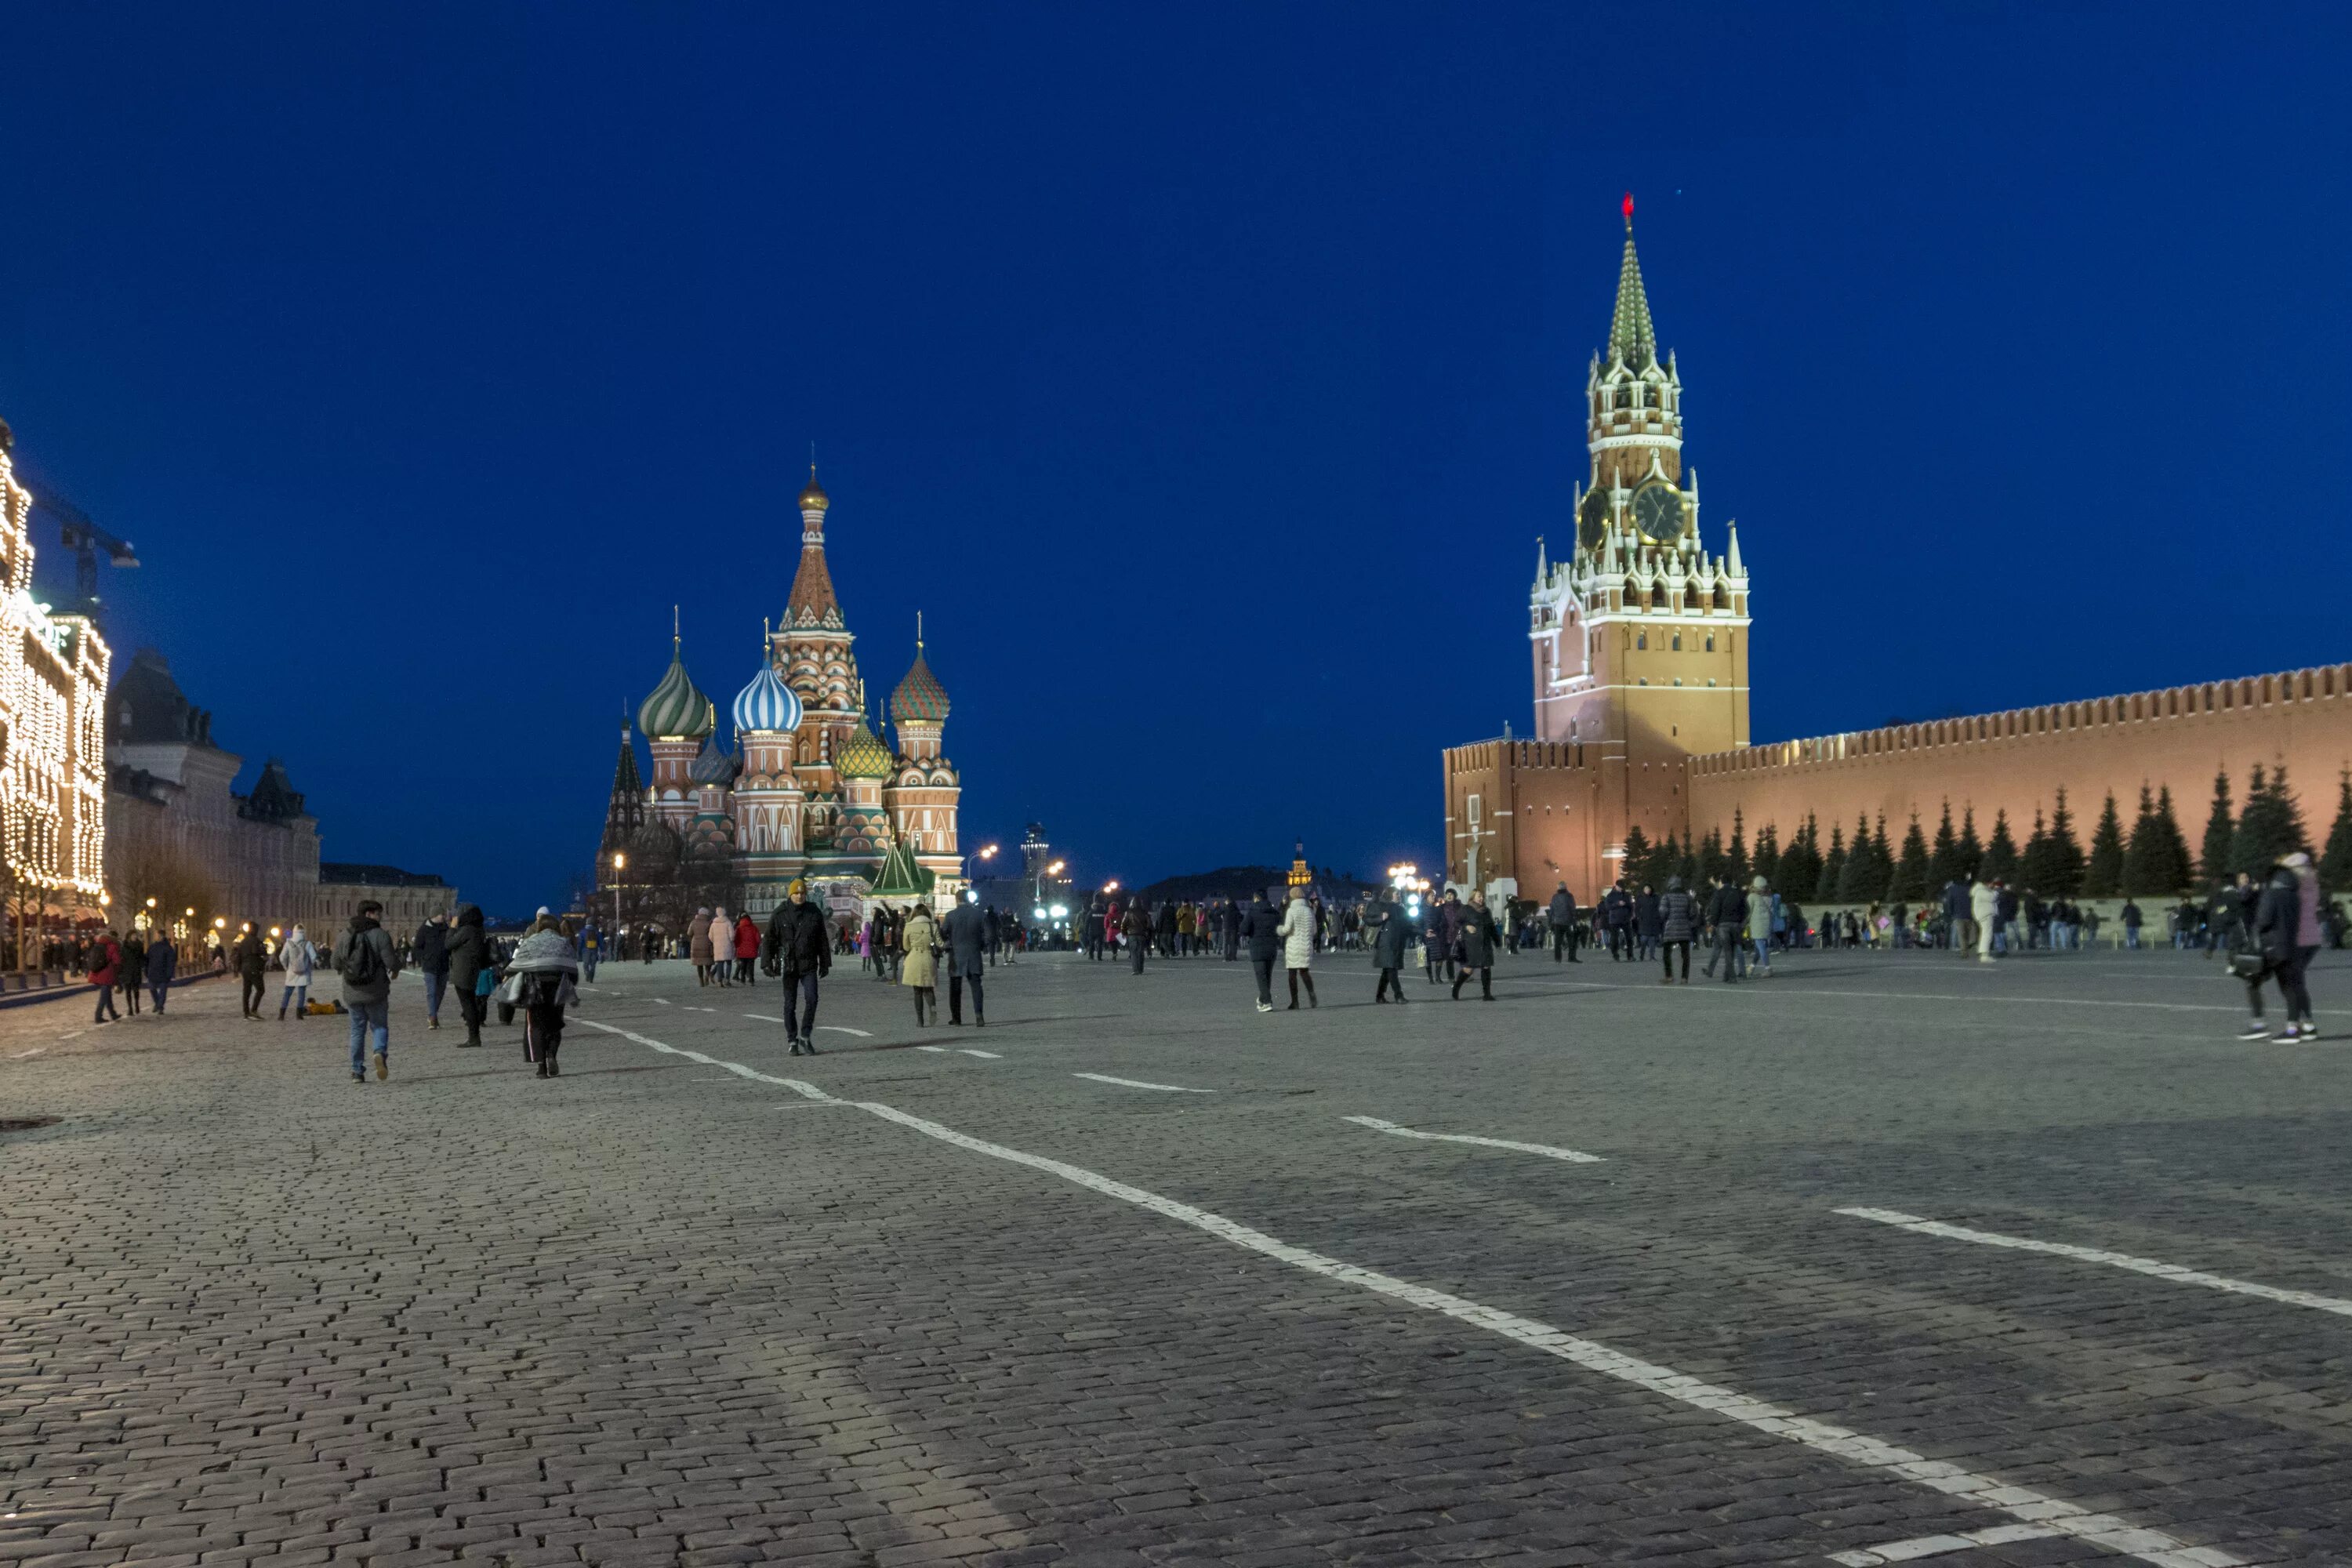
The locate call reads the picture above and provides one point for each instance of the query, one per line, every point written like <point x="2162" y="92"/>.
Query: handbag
<point x="513" y="993"/>
<point x="486" y="984"/>
<point x="2249" y="965"/>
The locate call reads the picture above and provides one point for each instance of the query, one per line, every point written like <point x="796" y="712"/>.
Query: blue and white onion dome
<point x="767" y="703"/>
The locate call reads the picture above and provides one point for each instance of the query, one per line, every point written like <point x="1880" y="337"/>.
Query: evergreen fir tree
<point x="2103" y="875"/>
<point x="1637" y="855"/>
<point x="1943" y="862"/>
<point x="1798" y="874"/>
<point x="1766" y="858"/>
<point x="2141" y="849"/>
<point x="2220" y="834"/>
<point x="2000" y="864"/>
<point x="1971" y="847"/>
<point x="2033" y="860"/>
<point x="1711" y="857"/>
<point x="1881" y="859"/>
<point x="1911" y="870"/>
<point x="2271" y="828"/>
<point x="1735" y="858"/>
<point x="2065" y="853"/>
<point x="2174" y="871"/>
<point x="1825" y="888"/>
<point x="2336" y="865"/>
<point x="1664" y="862"/>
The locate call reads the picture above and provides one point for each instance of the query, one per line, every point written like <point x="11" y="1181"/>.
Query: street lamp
<point x="619" y="860"/>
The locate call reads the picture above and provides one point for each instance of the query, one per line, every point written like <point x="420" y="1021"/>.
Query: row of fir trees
<point x="2148" y="859"/>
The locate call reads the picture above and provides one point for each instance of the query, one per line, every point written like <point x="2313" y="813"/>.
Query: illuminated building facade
<point x="53" y="676"/>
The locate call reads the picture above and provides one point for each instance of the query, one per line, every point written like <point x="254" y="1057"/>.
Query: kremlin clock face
<point x="1658" y="513"/>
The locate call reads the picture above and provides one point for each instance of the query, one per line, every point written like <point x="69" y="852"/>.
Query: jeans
<point x="1264" y="969"/>
<point x="159" y="990"/>
<point x="1734" y="953"/>
<point x="367" y="1016"/>
<point x="1763" y="951"/>
<point x="588" y="966"/>
<point x="436" y="982"/>
<point x="2131" y="938"/>
<point x="298" y="996"/>
<point x="105" y="1004"/>
<point x="252" y="987"/>
<point x="799" y="1006"/>
<point x="956" y="983"/>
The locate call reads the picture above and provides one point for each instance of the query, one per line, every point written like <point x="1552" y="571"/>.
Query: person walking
<point x="364" y="958"/>
<point x="919" y="969"/>
<point x="132" y="975"/>
<point x="963" y="931"/>
<point x="1984" y="913"/>
<point x="747" y="947"/>
<point x="1135" y="925"/>
<point x="1475" y="947"/>
<point x="297" y="958"/>
<point x="722" y="949"/>
<point x="1727" y="919"/>
<point x="1260" y="931"/>
<point x="1389" y="944"/>
<point x="590" y="944"/>
<point x="1297" y="932"/>
<point x="469" y="953"/>
<point x="1759" y="927"/>
<point x="428" y="953"/>
<point x="1562" y="915"/>
<point x="162" y="962"/>
<point x="2287" y="928"/>
<point x="542" y="979"/>
<point x="798" y="952"/>
<point x="1957" y="914"/>
<point x="250" y="957"/>
<point x="105" y="963"/>
<point x="698" y="948"/>
<point x="1677" y="926"/>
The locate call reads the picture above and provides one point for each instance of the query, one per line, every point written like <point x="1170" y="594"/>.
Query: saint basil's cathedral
<point x="809" y="791"/>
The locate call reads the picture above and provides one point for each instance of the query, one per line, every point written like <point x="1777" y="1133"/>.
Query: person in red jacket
<point x="105" y="963"/>
<point x="747" y="948"/>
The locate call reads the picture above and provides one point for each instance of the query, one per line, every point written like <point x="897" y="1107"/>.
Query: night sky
<point x="1204" y="375"/>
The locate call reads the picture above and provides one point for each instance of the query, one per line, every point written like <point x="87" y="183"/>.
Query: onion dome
<point x="920" y="698"/>
<point x="767" y="703"/>
<point x="713" y="766"/>
<point x="812" y="497"/>
<point x="677" y="711"/>
<point x="862" y="757"/>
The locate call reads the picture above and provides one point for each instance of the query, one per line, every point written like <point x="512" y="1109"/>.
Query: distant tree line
<point x="2151" y="858"/>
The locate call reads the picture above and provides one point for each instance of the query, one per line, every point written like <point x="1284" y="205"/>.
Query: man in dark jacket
<point x="251" y="956"/>
<point x="1956" y="915"/>
<point x="162" y="962"/>
<point x="1261" y="927"/>
<point x="1727" y="913"/>
<point x="365" y="958"/>
<point x="429" y="951"/>
<point x="799" y="950"/>
<point x="966" y="932"/>
<point x="1135" y="925"/>
<point x="1389" y="944"/>
<point x="466" y="951"/>
<point x="1562" y="915"/>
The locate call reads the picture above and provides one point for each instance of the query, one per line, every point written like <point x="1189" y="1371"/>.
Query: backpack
<point x="362" y="965"/>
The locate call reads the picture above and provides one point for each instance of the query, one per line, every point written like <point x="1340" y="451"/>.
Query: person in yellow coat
<point x="920" y="967"/>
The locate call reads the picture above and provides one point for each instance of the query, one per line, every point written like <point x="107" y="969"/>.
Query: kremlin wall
<point x="1641" y="669"/>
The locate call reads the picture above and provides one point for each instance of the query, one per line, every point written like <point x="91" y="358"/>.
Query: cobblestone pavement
<point x="938" y="1297"/>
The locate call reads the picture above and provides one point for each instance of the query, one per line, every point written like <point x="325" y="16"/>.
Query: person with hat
<point x="799" y="950"/>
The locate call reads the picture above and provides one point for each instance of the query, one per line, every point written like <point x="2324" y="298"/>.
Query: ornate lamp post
<point x="619" y="861"/>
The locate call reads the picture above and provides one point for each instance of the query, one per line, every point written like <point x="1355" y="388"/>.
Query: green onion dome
<point x="862" y="757"/>
<point x="677" y="711"/>
<point x="713" y="766"/>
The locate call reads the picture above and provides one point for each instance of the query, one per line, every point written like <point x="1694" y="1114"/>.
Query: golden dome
<point x="813" y="498"/>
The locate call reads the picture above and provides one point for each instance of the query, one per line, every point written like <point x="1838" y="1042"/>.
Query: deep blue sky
<point x="1204" y="375"/>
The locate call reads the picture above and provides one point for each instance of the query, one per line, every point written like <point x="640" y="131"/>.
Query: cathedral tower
<point x="767" y="796"/>
<point x="676" y="720"/>
<point x="811" y="649"/>
<point x="924" y="788"/>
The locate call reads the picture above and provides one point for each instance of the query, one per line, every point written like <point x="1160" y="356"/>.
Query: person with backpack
<point x="298" y="957"/>
<point x="467" y="953"/>
<point x="105" y="961"/>
<point x="365" y="958"/>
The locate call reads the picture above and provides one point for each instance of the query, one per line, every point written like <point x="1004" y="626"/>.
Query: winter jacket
<point x="1298" y="935"/>
<point x="1390" y="941"/>
<point x="1760" y="916"/>
<point x="297" y="958"/>
<point x="467" y="949"/>
<point x="798" y="942"/>
<point x="964" y="930"/>
<point x="249" y="956"/>
<point x="2287" y="916"/>
<point x="1476" y="946"/>
<point x="133" y="970"/>
<point x="747" y="937"/>
<point x="1261" y="929"/>
<point x="698" y="940"/>
<point x="162" y="962"/>
<point x="1645" y="915"/>
<point x="364" y="929"/>
<point x="544" y="952"/>
<point x="1677" y="916"/>
<point x="104" y="961"/>
<point x="1561" y="910"/>
<point x="1956" y="900"/>
<point x="1984" y="902"/>
<point x="1136" y="922"/>
<point x="920" y="936"/>
<point x="1727" y="911"/>
<point x="429" y="950"/>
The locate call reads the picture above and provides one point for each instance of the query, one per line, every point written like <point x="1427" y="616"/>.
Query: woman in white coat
<point x="1297" y="933"/>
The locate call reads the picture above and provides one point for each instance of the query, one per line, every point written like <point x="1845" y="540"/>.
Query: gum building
<point x="1639" y="645"/>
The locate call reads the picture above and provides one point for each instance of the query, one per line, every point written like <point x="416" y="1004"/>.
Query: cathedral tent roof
<point x="1631" y="337"/>
<point x="812" y="603"/>
<point x="900" y="877"/>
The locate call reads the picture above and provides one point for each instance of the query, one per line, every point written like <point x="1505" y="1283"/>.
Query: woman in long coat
<point x="1677" y="928"/>
<point x="697" y="936"/>
<point x="543" y="974"/>
<point x="1476" y="946"/>
<point x="747" y="947"/>
<point x="469" y="953"/>
<point x="918" y="964"/>
<point x="1298" y="935"/>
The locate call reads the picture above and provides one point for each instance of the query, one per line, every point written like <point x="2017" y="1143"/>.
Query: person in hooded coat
<point x="252" y="964"/>
<point x="105" y="959"/>
<point x="698" y="946"/>
<point x="469" y="953"/>
<point x="747" y="947"/>
<point x="541" y="977"/>
<point x="919" y="968"/>
<point x="297" y="958"/>
<point x="1677" y="928"/>
<point x="1298" y="946"/>
<point x="134" y="969"/>
<point x="1389" y="944"/>
<point x="1474" y="946"/>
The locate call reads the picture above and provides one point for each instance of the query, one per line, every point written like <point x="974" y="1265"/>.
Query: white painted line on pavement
<point x="661" y="1000"/>
<point x="985" y="1056"/>
<point x="73" y="1035"/>
<point x="37" y="1050"/>
<point x="764" y="1018"/>
<point x="2172" y="1271"/>
<point x="1920" y="1546"/>
<point x="1139" y="1083"/>
<point x="1810" y="994"/>
<point x="846" y="1029"/>
<point x="808" y="1089"/>
<point x="1546" y="1149"/>
<point x="2023" y="1504"/>
<point x="940" y="1050"/>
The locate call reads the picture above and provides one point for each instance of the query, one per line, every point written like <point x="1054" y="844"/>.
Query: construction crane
<point x="77" y="533"/>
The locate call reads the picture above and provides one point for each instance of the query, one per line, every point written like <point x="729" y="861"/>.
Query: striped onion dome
<point x="862" y="757"/>
<point x="713" y="766"/>
<point x="767" y="703"/>
<point x="920" y="698"/>
<point x="677" y="711"/>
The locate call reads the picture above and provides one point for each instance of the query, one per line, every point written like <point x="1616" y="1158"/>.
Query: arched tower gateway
<point x="1638" y="640"/>
<point x="924" y="787"/>
<point x="676" y="718"/>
